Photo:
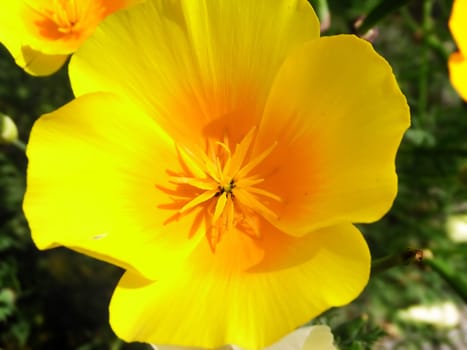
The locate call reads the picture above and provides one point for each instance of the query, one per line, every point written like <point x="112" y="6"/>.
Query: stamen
<point x="221" y="186"/>
<point x="241" y="151"/>
<point x="265" y="193"/>
<point x="245" y="198"/>
<point x="249" y="181"/>
<point x="190" y="162"/>
<point x="254" y="163"/>
<point x="198" y="200"/>
<point x="230" y="215"/>
<point x="64" y="19"/>
<point x="73" y="13"/>
<point x="220" y="205"/>
<point x="202" y="184"/>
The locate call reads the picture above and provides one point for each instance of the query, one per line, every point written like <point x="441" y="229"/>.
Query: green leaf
<point x="454" y="278"/>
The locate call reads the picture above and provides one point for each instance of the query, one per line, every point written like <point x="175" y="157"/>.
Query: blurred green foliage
<point x="58" y="299"/>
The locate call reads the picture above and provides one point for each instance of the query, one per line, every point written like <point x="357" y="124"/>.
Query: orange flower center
<point x="222" y="187"/>
<point x="61" y="18"/>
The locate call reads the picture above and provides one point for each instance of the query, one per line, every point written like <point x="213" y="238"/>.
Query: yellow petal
<point x="94" y="165"/>
<point x="338" y="117"/>
<point x="200" y="68"/>
<point x="297" y="279"/>
<point x="458" y="73"/>
<point x="176" y="347"/>
<point x="457" y="63"/>
<point x="39" y="64"/>
<point x="13" y="32"/>
<point x="41" y="34"/>
<point x="60" y="27"/>
<point x="17" y="41"/>
<point x="317" y="337"/>
<point x="457" y="24"/>
<point x="111" y="6"/>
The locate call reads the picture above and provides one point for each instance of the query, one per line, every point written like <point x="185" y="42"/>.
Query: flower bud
<point x="8" y="130"/>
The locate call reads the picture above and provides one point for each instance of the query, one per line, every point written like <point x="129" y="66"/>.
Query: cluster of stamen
<point x="68" y="14"/>
<point x="220" y="187"/>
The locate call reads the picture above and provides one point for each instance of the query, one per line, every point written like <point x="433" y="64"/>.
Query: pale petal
<point x="292" y="341"/>
<point x="320" y="338"/>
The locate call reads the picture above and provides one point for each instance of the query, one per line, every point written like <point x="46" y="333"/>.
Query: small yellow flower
<point x="41" y="34"/>
<point x="219" y="151"/>
<point x="458" y="60"/>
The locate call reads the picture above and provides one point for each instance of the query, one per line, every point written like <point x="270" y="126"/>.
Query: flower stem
<point x="410" y="256"/>
<point x="19" y="144"/>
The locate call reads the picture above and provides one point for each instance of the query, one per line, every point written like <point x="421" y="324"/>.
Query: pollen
<point x="222" y="188"/>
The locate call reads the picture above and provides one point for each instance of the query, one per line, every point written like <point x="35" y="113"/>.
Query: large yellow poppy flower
<point x="41" y="34"/>
<point x="458" y="61"/>
<point x="219" y="151"/>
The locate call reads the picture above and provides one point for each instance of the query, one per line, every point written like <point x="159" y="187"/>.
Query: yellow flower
<point x="317" y="337"/>
<point x="457" y="60"/>
<point x="219" y="151"/>
<point x="41" y="34"/>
